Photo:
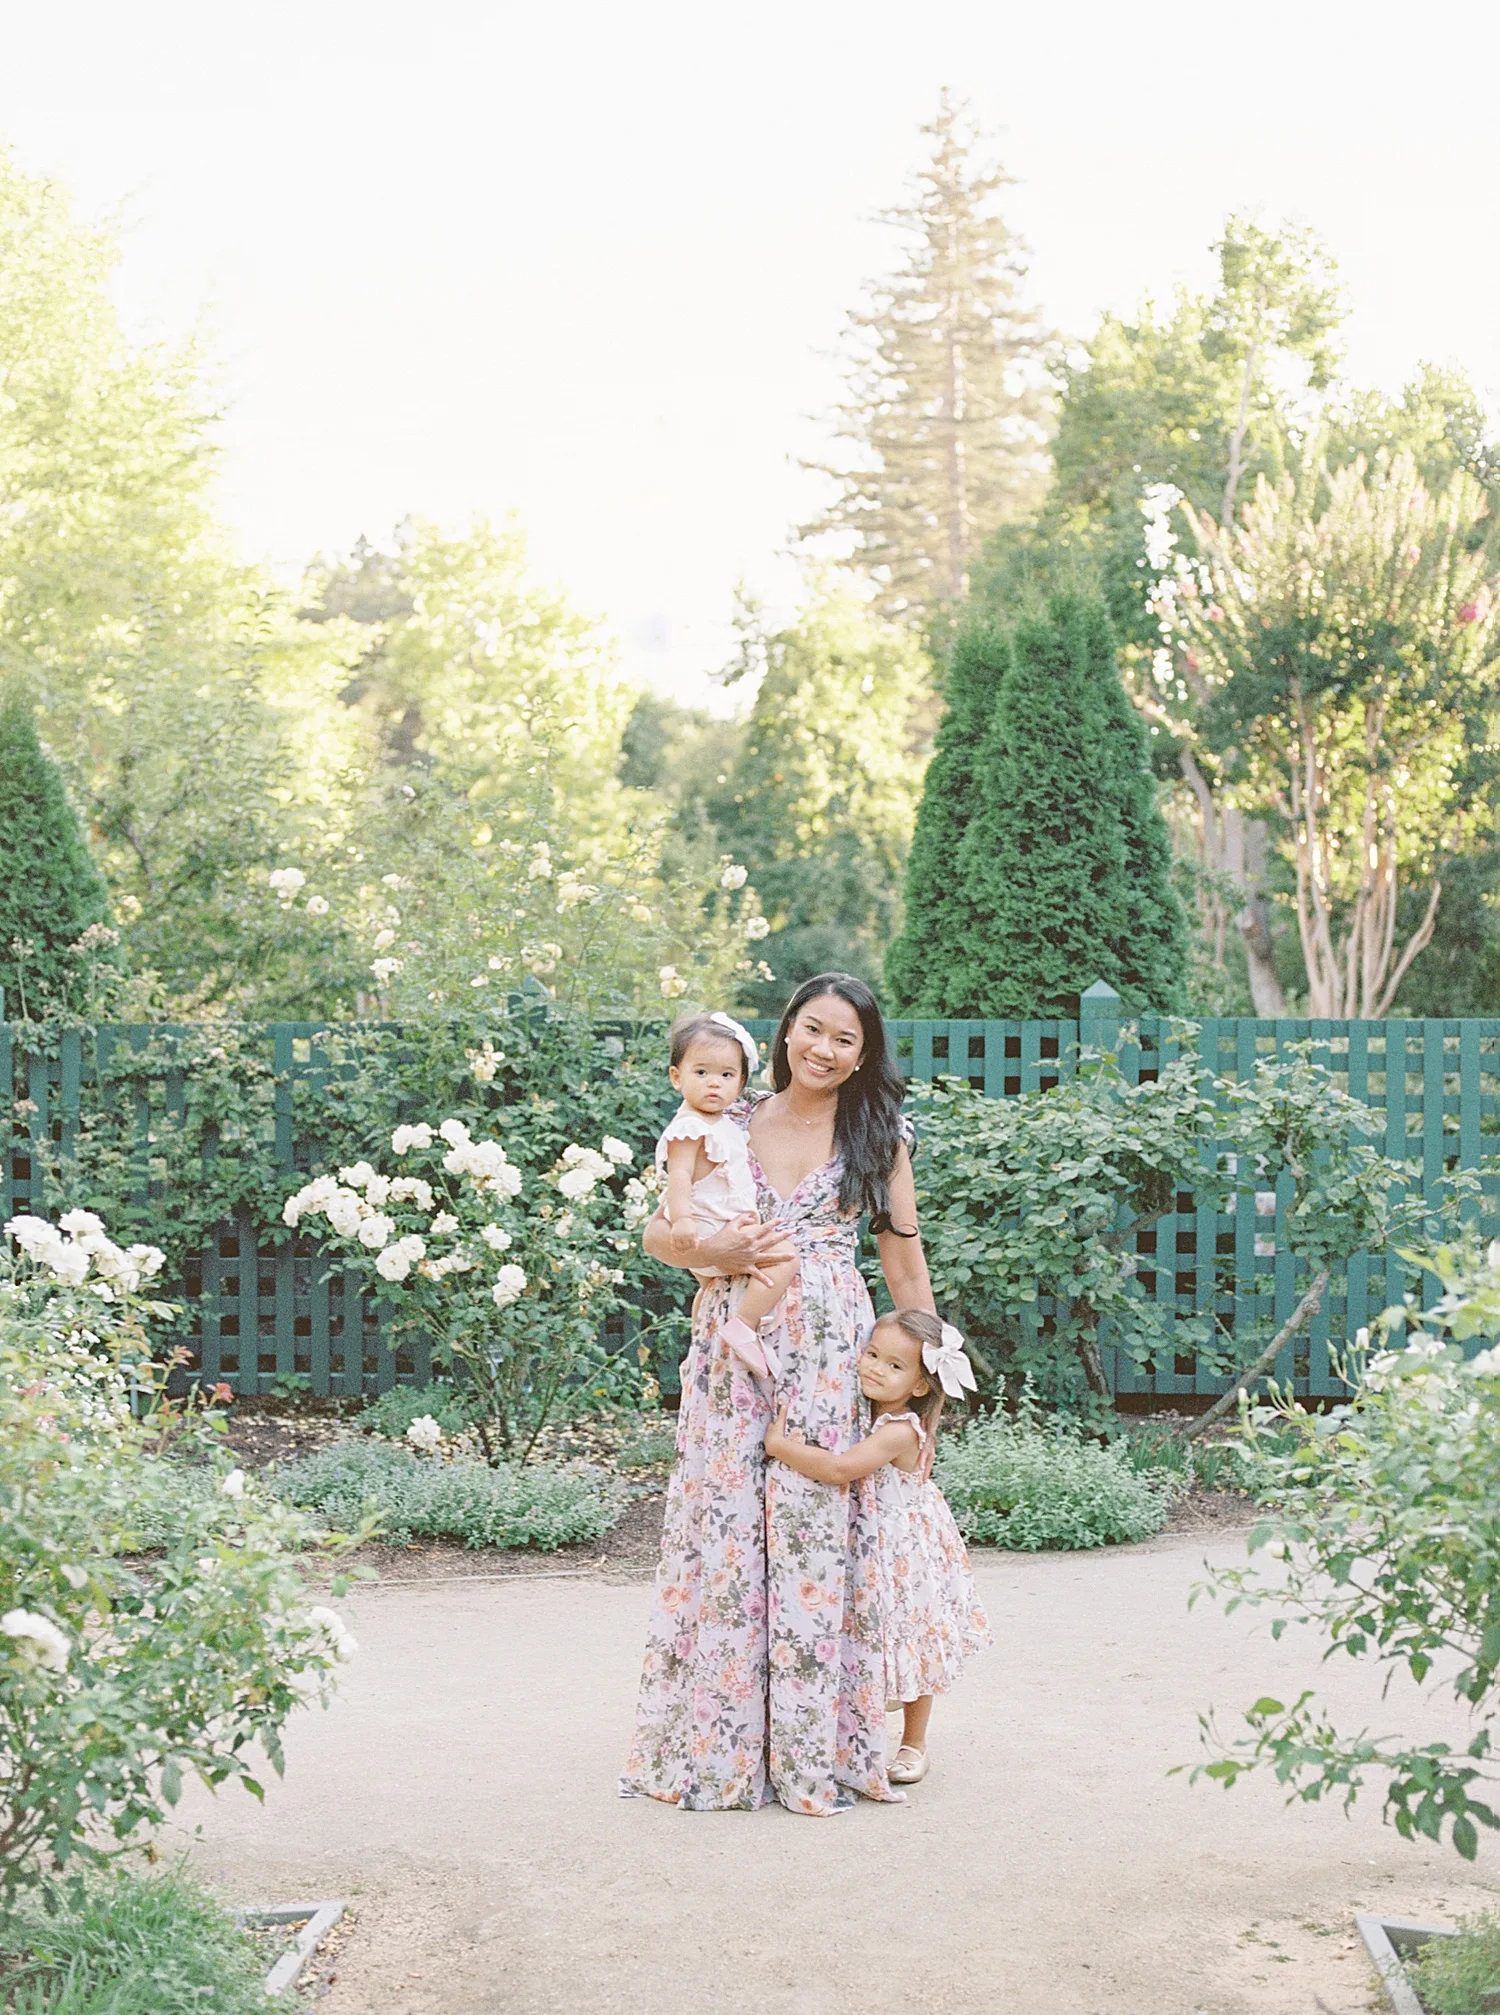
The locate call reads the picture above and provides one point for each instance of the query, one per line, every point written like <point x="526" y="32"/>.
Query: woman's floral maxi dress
<point x="763" y="1675"/>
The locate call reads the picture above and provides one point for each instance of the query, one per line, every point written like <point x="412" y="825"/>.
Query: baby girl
<point x="705" y="1158"/>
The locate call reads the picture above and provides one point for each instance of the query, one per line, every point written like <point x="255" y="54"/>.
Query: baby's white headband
<point x="949" y="1364"/>
<point x="742" y="1036"/>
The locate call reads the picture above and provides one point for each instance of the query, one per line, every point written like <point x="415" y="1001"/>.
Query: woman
<point x="762" y="1674"/>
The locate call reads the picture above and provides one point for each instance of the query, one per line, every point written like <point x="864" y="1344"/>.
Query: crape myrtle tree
<point x="54" y="911"/>
<point x="1060" y="873"/>
<point x="1340" y="647"/>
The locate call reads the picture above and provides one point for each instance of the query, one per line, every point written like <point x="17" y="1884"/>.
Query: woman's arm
<point x="902" y="1260"/>
<point x="737" y="1248"/>
<point x="821" y="1465"/>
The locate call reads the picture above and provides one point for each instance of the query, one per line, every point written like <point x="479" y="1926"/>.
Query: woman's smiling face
<point x="824" y="1043"/>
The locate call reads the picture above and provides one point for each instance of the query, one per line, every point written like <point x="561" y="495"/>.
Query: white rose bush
<point x="1382" y="1519"/>
<point x="507" y="1275"/>
<point x="121" y="1672"/>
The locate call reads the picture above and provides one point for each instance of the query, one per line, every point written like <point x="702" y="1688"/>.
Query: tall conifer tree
<point x="939" y="917"/>
<point x="50" y="890"/>
<point x="948" y="400"/>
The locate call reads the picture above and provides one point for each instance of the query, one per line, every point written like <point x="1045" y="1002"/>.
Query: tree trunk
<point x="1237" y="848"/>
<point x="1308" y="1307"/>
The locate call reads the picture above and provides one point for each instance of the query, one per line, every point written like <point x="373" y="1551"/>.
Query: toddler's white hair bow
<point x="949" y="1363"/>
<point x="741" y="1035"/>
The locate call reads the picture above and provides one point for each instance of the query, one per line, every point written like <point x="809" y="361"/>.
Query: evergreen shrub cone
<point x="50" y="890"/>
<point x="1043" y="859"/>
<point x="923" y="960"/>
<point x="1065" y="865"/>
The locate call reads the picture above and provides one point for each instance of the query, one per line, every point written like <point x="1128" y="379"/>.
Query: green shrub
<point x="394" y="1411"/>
<point x="1162" y="1452"/>
<point x="1460" y="1976"/>
<point x="463" y="1499"/>
<point x="1013" y="1484"/>
<point x="118" y="1678"/>
<point x="134" y="1945"/>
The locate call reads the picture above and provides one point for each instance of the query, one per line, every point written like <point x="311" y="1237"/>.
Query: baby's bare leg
<point x="760" y="1297"/>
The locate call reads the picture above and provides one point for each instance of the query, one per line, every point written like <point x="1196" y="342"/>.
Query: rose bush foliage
<point x="120" y="1674"/>
<point x="1382" y="1520"/>
<point x="507" y="1277"/>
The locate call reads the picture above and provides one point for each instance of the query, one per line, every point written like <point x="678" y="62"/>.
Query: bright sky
<point x="589" y="261"/>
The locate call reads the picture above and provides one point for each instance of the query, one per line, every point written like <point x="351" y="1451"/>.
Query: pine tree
<point x="50" y="890"/>
<point x="947" y="401"/>
<point x="1154" y="950"/>
<point x="939" y="919"/>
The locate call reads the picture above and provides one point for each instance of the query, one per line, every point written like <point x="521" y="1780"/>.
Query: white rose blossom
<point x="671" y="981"/>
<point x="577" y="1183"/>
<point x="510" y="1284"/>
<point x="383" y="938"/>
<point x="484" y="1061"/>
<point x="444" y="1221"/>
<point x="317" y="906"/>
<point x="454" y="1132"/>
<point x="617" y="1151"/>
<point x="424" y="1434"/>
<point x="757" y="928"/>
<point x="411" y="1189"/>
<point x="405" y="1138"/>
<point x="375" y="1231"/>
<point x="385" y="969"/>
<point x="357" y="1174"/>
<point x="70" y="1263"/>
<point x="734" y="876"/>
<point x="333" y="1629"/>
<point x="36" y="1639"/>
<point x="287" y="881"/>
<point x="234" y="1483"/>
<point x="496" y="1237"/>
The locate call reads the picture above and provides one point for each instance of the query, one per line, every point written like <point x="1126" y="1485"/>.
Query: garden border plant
<point x="1031" y="1207"/>
<point x="1383" y="1520"/>
<point x="119" y="1676"/>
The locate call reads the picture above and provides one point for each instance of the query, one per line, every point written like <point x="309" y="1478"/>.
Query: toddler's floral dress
<point x="932" y="1619"/>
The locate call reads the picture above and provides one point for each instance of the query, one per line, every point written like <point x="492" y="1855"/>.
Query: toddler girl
<point x="706" y="1161"/>
<point x="931" y="1617"/>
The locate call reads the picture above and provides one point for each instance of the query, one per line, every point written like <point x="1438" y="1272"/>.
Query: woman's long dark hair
<point x="867" y="1127"/>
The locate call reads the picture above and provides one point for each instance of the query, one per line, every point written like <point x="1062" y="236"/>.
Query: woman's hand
<point x="741" y="1248"/>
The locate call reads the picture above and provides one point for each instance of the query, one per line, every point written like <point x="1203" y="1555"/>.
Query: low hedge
<point x="1016" y="1484"/>
<point x="462" y="1499"/>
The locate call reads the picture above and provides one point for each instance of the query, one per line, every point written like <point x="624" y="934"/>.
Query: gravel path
<point x="461" y="1794"/>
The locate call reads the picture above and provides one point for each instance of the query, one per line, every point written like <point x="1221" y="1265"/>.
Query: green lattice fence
<point x="259" y="1310"/>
